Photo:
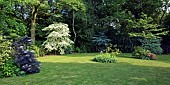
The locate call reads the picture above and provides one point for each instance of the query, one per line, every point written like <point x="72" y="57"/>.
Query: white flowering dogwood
<point x="58" y="37"/>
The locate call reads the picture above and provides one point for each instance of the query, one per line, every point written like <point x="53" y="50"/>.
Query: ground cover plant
<point x="78" y="69"/>
<point x="109" y="56"/>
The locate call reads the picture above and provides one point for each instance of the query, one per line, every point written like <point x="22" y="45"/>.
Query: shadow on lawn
<point x="81" y="54"/>
<point x="161" y="58"/>
<point x="108" y="74"/>
<point x="94" y="74"/>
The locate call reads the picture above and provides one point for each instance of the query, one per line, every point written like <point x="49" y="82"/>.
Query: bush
<point x="107" y="57"/>
<point x="24" y="59"/>
<point x="39" y="51"/>
<point x="69" y="50"/>
<point x="151" y="56"/>
<point x="81" y="49"/>
<point x="152" y="44"/>
<point x="77" y="49"/>
<point x="7" y="67"/>
<point x="101" y="41"/>
<point x="143" y="54"/>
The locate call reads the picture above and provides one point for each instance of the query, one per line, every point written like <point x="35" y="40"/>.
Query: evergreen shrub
<point x="141" y="53"/>
<point x="152" y="44"/>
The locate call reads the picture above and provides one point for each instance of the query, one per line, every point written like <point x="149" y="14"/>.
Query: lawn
<point x="78" y="69"/>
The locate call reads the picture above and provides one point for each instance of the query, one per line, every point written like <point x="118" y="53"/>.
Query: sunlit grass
<point x="78" y="69"/>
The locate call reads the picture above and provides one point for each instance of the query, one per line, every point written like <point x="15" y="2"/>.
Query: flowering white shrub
<point x="58" y="37"/>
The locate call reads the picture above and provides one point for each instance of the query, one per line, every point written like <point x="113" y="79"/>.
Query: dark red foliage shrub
<point x="24" y="58"/>
<point x="152" y="56"/>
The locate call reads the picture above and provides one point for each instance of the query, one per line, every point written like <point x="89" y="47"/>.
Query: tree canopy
<point x="122" y="21"/>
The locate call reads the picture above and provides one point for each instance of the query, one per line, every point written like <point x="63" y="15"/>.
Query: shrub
<point x="77" y="49"/>
<point x="24" y="59"/>
<point x="69" y="50"/>
<point x="81" y="49"/>
<point x="151" y="56"/>
<point x="101" y="41"/>
<point x="107" y="57"/>
<point x="143" y="54"/>
<point x="58" y="39"/>
<point x="39" y="51"/>
<point x="7" y="66"/>
<point x="152" y="44"/>
<point x="9" y="69"/>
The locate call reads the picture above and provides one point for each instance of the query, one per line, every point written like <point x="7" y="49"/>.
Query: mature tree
<point x="72" y="7"/>
<point x="144" y="27"/>
<point x="34" y="6"/>
<point x="10" y="25"/>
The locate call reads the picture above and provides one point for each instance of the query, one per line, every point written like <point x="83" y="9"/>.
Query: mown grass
<point x="78" y="69"/>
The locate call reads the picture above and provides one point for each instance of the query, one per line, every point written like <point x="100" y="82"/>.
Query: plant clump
<point x="141" y="53"/>
<point x="152" y="56"/>
<point x="8" y="67"/>
<point x="108" y="57"/>
<point x="24" y="58"/>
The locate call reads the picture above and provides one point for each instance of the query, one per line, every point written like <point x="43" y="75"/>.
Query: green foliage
<point x="6" y="49"/>
<point x="81" y="49"/>
<point x="144" y="27"/>
<point x="39" y="51"/>
<point x="10" y="26"/>
<point x="58" y="38"/>
<point x="107" y="57"/>
<point x="72" y="5"/>
<point x="9" y="69"/>
<point x="7" y="66"/>
<point x="152" y="44"/>
<point x="69" y="50"/>
<point x="77" y="49"/>
<point x="140" y="53"/>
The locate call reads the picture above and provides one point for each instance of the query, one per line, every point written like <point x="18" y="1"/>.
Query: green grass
<point x="78" y="69"/>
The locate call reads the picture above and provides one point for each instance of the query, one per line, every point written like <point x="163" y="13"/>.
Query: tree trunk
<point x="33" y="22"/>
<point x="75" y="35"/>
<point x="164" y="12"/>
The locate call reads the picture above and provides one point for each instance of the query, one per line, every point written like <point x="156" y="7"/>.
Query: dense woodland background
<point x="93" y="24"/>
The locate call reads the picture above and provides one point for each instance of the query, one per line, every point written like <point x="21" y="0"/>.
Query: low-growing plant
<point x="105" y="58"/>
<point x="39" y="51"/>
<point x="108" y="57"/>
<point x="69" y="50"/>
<point x="81" y="49"/>
<point x="77" y="49"/>
<point x="7" y="67"/>
<point x="142" y="53"/>
<point x="151" y="56"/>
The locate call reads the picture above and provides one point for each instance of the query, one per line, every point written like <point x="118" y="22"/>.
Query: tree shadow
<point x="121" y="73"/>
